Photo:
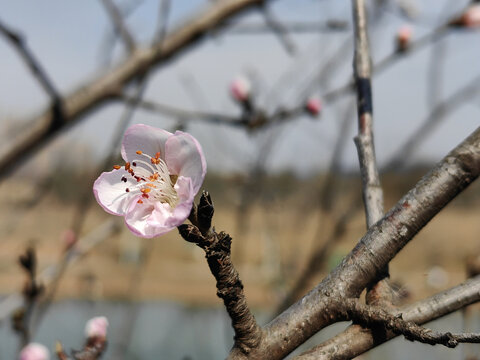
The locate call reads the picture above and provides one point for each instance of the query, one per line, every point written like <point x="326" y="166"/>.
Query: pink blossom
<point x="471" y="17"/>
<point x="34" y="351"/>
<point x="155" y="189"/>
<point x="313" y="106"/>
<point x="96" y="327"/>
<point x="404" y="36"/>
<point x="240" y="89"/>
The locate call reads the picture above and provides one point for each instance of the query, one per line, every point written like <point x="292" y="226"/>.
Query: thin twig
<point x="372" y="191"/>
<point x="279" y="29"/>
<point x="434" y="118"/>
<point x="290" y="27"/>
<point x="34" y="65"/>
<point x="163" y="12"/>
<point x="48" y="275"/>
<point x="119" y="25"/>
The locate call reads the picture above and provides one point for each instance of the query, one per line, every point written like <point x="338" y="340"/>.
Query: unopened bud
<point x="96" y="327"/>
<point x="68" y="239"/>
<point x="313" y="106"/>
<point x="240" y="89"/>
<point x="404" y="36"/>
<point x="34" y="351"/>
<point x="471" y="16"/>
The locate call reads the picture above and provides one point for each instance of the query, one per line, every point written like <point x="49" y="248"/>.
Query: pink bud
<point x="313" y="106"/>
<point x="34" y="351"/>
<point x="471" y="16"/>
<point x="404" y="35"/>
<point x="240" y="89"/>
<point x="68" y="238"/>
<point x="96" y="327"/>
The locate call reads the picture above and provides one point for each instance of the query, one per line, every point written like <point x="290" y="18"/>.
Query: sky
<point x="71" y="39"/>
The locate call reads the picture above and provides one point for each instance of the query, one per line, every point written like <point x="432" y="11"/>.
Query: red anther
<point x="134" y="163"/>
<point x="124" y="179"/>
<point x="117" y="167"/>
<point x="145" y="196"/>
<point x="127" y="190"/>
<point x="157" y="155"/>
<point x="127" y="166"/>
<point x="140" y="201"/>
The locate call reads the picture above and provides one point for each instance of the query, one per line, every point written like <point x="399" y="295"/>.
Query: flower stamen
<point x="153" y="180"/>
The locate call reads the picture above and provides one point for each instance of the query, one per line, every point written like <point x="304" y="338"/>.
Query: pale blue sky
<point x="67" y="36"/>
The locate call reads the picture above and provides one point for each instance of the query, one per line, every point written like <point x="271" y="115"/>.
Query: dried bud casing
<point x="205" y="212"/>
<point x="190" y="233"/>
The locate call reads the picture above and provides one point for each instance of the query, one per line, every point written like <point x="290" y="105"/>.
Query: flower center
<point x="153" y="180"/>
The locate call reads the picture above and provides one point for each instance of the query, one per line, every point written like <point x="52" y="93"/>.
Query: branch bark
<point x="371" y="189"/>
<point x="373" y="252"/>
<point x="356" y="340"/>
<point x="217" y="247"/>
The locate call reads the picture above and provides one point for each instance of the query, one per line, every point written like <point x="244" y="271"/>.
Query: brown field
<point x="271" y="247"/>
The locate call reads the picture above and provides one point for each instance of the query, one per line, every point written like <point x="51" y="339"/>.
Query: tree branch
<point x="94" y="94"/>
<point x="356" y="340"/>
<point x="374" y="251"/>
<point x="374" y="316"/>
<point x="371" y="189"/>
<point x="217" y="248"/>
<point x="19" y="43"/>
<point x="119" y="25"/>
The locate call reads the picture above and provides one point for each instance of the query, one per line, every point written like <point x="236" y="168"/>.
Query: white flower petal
<point x="109" y="190"/>
<point x="184" y="157"/>
<point x="147" y="139"/>
<point x="147" y="219"/>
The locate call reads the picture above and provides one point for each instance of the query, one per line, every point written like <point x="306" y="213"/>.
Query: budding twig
<point x="217" y="247"/>
<point x="31" y="292"/>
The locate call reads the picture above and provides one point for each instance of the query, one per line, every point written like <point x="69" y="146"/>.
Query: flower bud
<point x="34" y="351"/>
<point x="96" y="327"/>
<point x="240" y="89"/>
<point x="313" y="106"/>
<point x="68" y="239"/>
<point x="471" y="16"/>
<point x="404" y="36"/>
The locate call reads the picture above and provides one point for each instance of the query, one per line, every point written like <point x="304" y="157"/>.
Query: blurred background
<point x="283" y="175"/>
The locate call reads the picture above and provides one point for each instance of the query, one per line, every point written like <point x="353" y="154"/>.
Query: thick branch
<point x="92" y="95"/>
<point x="375" y="250"/>
<point x="357" y="340"/>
